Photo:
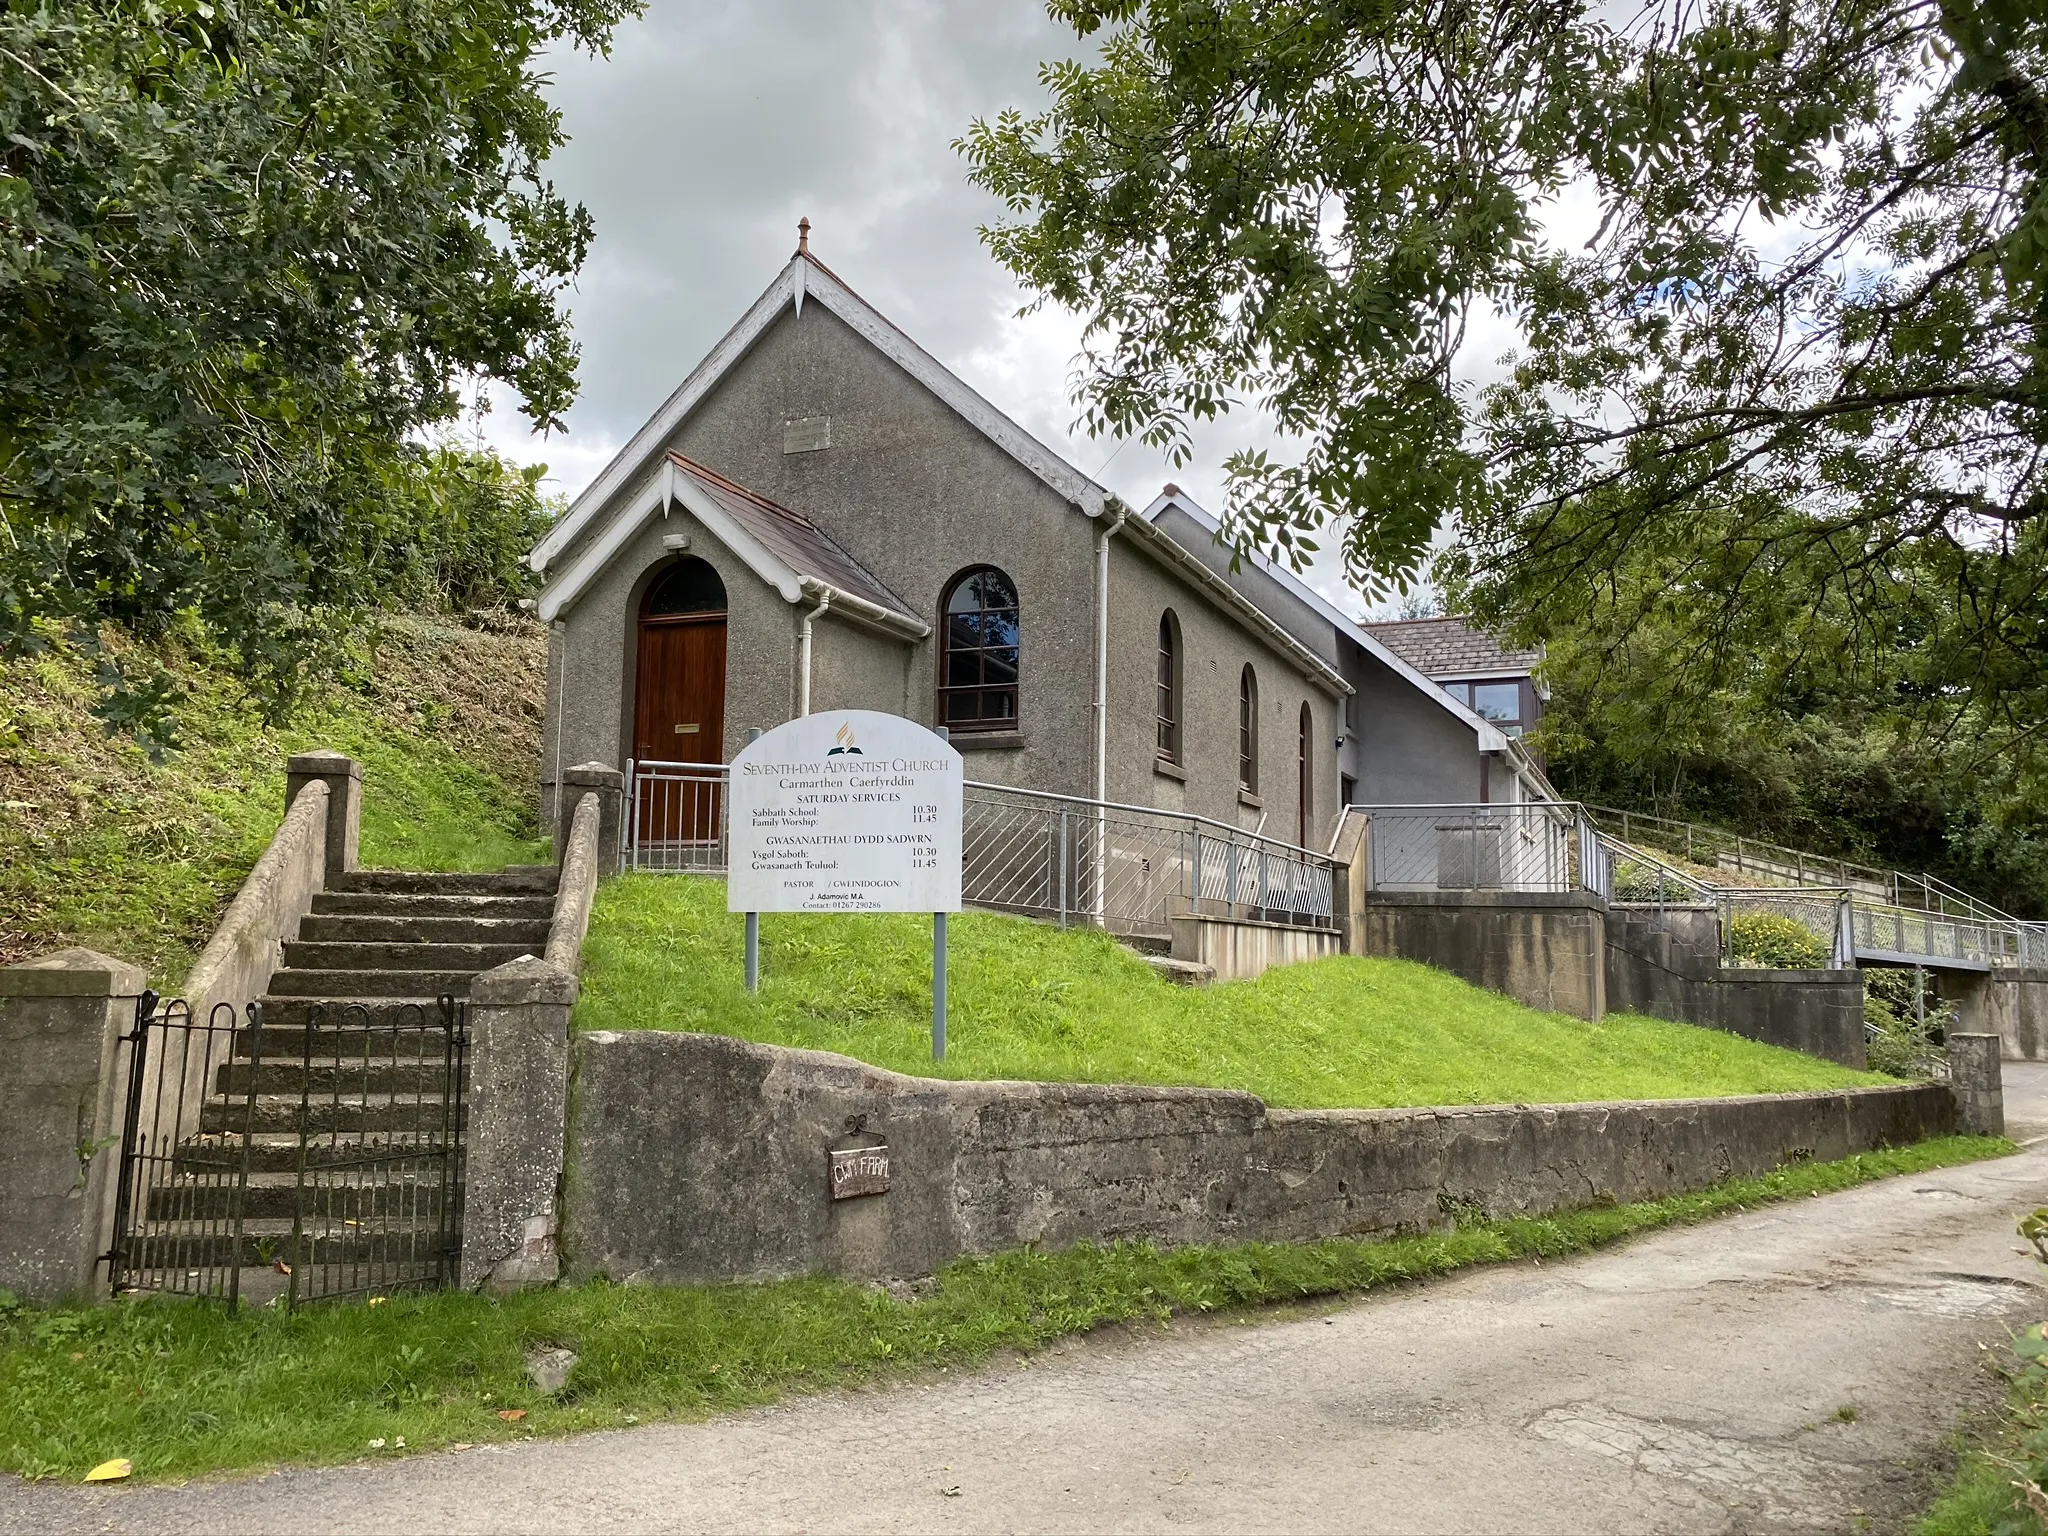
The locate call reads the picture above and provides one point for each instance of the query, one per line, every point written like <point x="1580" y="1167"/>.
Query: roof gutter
<point x="874" y="614"/>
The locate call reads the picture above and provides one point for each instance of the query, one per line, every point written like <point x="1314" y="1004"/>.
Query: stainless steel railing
<point x="1127" y="868"/>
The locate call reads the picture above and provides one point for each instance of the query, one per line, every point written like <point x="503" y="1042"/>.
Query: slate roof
<point x="792" y="538"/>
<point x="1451" y="648"/>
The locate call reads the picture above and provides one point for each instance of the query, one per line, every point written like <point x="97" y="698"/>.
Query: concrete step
<point x="425" y="1072"/>
<point x="539" y="906"/>
<point x="323" y="955"/>
<point x="363" y="928"/>
<point x="387" y="983"/>
<point x="285" y="1018"/>
<point x="353" y="1114"/>
<point x="219" y="1158"/>
<point x="521" y="880"/>
<point x="413" y="1192"/>
<point x="202" y="1245"/>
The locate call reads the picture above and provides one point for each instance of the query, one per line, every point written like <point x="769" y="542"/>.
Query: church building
<point x="822" y="515"/>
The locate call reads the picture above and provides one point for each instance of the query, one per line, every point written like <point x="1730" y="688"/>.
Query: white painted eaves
<point x="670" y="486"/>
<point x="1490" y="736"/>
<point x="807" y="279"/>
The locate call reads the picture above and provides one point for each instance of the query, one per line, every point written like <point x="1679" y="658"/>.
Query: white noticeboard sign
<point x="846" y="810"/>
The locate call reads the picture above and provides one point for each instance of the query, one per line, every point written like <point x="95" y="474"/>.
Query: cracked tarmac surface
<point x="1796" y="1368"/>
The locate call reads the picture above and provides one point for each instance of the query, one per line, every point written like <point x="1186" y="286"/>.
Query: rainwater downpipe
<point x="1101" y="860"/>
<point x="803" y="646"/>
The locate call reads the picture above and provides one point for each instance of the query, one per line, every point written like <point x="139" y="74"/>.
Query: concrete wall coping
<point x="1223" y="920"/>
<point x="1545" y="900"/>
<point x="1775" y="973"/>
<point x="72" y="973"/>
<point x="324" y="761"/>
<point x="1241" y="1100"/>
<point x="576" y="889"/>
<point x="528" y="979"/>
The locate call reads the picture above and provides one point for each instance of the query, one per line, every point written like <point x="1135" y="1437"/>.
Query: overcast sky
<point x="716" y="124"/>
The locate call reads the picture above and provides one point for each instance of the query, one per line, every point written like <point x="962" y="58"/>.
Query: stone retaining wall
<point x="699" y="1158"/>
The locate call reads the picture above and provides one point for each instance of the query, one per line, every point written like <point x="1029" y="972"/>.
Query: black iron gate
<point x="317" y="1154"/>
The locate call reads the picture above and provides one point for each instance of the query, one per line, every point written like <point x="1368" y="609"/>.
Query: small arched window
<point x="1169" y="688"/>
<point x="978" y="662"/>
<point x="1307" y="756"/>
<point x="1248" y="730"/>
<point x="689" y="586"/>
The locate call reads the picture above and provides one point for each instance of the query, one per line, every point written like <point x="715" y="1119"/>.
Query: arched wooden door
<point x="679" y="702"/>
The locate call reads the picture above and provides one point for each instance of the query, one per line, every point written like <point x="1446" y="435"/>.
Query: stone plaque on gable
<point x="846" y="810"/>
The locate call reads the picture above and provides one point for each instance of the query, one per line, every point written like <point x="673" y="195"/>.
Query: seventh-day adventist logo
<point x="847" y="746"/>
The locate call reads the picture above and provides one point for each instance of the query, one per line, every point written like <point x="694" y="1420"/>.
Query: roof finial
<point x="803" y="236"/>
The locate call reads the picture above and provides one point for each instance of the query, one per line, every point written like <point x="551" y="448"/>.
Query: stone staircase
<point x="341" y="1028"/>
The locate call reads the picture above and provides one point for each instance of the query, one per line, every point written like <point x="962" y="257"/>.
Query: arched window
<point x="688" y="586"/>
<point x="1169" y="688"/>
<point x="978" y="652"/>
<point x="1248" y="730"/>
<point x="1307" y="756"/>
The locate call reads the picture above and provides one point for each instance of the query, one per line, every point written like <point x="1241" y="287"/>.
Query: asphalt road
<point x="1798" y="1368"/>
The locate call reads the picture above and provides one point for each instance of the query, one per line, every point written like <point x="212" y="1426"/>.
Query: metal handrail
<point x="1797" y="862"/>
<point x="1292" y="850"/>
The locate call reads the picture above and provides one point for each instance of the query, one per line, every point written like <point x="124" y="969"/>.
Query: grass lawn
<point x="181" y="1387"/>
<point x="1028" y="1001"/>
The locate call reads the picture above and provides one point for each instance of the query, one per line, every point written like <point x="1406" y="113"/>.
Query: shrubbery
<point x="1772" y="940"/>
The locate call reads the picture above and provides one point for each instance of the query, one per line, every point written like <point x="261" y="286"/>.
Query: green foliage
<point x="1774" y="940"/>
<point x="100" y="845"/>
<point x="2001" y="1488"/>
<point x="183" y="1388"/>
<point x="1028" y="1000"/>
<point x="469" y="521"/>
<point x="247" y="251"/>
<point x="1788" y="737"/>
<point x="1779" y="274"/>
<point x="1904" y="1032"/>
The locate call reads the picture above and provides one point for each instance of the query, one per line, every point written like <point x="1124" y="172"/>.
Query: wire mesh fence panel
<point x="1816" y="910"/>
<point x="180" y="1185"/>
<point x="1909" y="934"/>
<point x="677" y="813"/>
<point x="376" y="1202"/>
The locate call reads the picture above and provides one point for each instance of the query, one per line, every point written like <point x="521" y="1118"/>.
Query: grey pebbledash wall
<point x="700" y="1158"/>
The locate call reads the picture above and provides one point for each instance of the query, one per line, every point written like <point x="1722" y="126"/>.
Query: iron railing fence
<point x="1127" y="868"/>
<point x="1637" y="878"/>
<point x="1912" y="936"/>
<point x="290" y="1163"/>
<point x="376" y="1199"/>
<point x="178" y="1192"/>
<point x="1521" y="846"/>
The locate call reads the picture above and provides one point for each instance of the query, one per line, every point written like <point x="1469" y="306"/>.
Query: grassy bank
<point x="1026" y="1000"/>
<point x="102" y="847"/>
<point x="182" y="1388"/>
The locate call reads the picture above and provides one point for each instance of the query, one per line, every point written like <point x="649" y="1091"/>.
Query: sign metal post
<point x="847" y="811"/>
<point x="938" y="986"/>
